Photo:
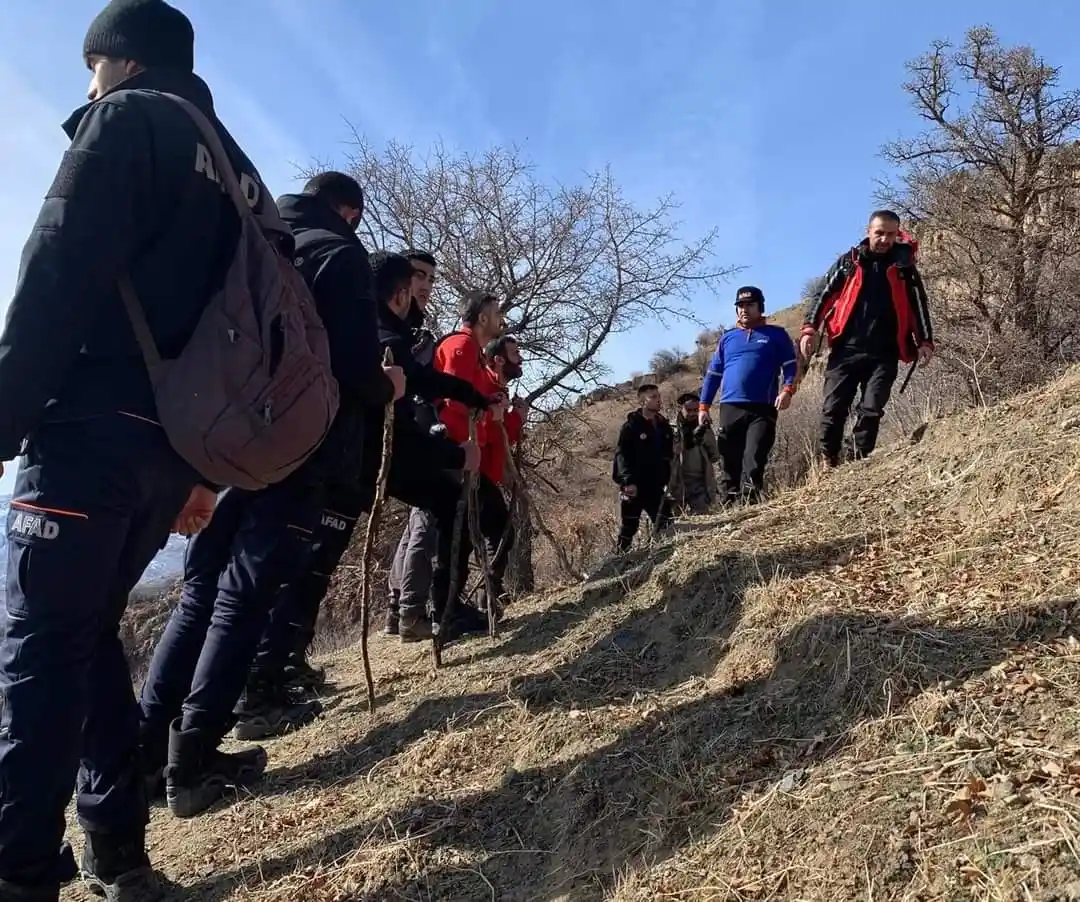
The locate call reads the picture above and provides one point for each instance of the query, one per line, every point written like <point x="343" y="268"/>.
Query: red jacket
<point x="460" y="354"/>
<point x="493" y="458"/>
<point x="832" y="309"/>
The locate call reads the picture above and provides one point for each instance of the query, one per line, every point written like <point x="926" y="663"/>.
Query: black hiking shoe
<point x="465" y="621"/>
<point x="469" y="621"/>
<point x="268" y="708"/>
<point x="198" y="775"/>
<point x="392" y="626"/>
<point x="299" y="674"/>
<point x="119" y="871"/>
<point x="414" y="628"/>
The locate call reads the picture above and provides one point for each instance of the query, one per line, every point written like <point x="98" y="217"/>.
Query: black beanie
<point x="149" y="32"/>
<point x="750" y="293"/>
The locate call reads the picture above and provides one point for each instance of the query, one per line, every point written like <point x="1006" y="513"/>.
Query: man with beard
<point x="874" y="312"/>
<point x="693" y="476"/>
<point x="502" y="362"/>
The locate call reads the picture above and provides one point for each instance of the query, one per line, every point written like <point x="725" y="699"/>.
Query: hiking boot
<point x="469" y="621"/>
<point x="414" y="628"/>
<point x="299" y="674"/>
<point x="198" y="775"/>
<point x="119" y="870"/>
<point x="392" y="626"/>
<point x="267" y="709"/>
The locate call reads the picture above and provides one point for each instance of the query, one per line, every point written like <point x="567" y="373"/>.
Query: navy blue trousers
<point x="94" y="501"/>
<point x="233" y="569"/>
<point x="296" y="610"/>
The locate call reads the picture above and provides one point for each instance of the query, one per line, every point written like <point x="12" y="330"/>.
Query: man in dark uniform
<point x="642" y="467"/>
<point x="99" y="486"/>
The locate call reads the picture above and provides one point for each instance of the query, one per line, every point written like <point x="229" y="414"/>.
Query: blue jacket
<point x="746" y="366"/>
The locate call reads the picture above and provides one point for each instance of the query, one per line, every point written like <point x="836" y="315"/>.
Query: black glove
<point x="480" y="401"/>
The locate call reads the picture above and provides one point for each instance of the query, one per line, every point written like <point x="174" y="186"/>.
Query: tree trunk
<point x="520" y="578"/>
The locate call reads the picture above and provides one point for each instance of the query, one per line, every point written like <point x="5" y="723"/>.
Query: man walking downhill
<point x="99" y="487"/>
<point x="693" y="475"/>
<point x="874" y="312"/>
<point x="642" y="466"/>
<point x="747" y="366"/>
<point x="255" y="542"/>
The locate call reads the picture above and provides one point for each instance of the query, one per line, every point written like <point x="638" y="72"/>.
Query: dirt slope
<point x="863" y="690"/>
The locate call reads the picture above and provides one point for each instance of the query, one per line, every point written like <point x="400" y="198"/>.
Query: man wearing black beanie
<point x="99" y="486"/>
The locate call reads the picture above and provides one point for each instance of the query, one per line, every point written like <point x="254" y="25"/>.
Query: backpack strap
<point x="269" y="218"/>
<point x="139" y="324"/>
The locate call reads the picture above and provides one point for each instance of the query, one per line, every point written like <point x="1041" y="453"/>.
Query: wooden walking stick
<point x="456" y="576"/>
<point x="369" y="536"/>
<point x="480" y="545"/>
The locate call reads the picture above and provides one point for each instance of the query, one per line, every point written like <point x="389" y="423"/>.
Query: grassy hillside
<point x="865" y="689"/>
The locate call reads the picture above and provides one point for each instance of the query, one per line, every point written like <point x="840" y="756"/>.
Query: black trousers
<point x="94" y="501"/>
<point x="494" y="516"/>
<point x="847" y="373"/>
<point x="651" y="500"/>
<point x="746" y="435"/>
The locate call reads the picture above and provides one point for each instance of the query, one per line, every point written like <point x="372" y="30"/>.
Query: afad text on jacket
<point x="866" y="294"/>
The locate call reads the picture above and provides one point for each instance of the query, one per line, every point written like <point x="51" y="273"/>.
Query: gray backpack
<point x="251" y="395"/>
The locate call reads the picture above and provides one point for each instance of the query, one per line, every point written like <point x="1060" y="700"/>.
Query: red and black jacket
<point x="831" y="311"/>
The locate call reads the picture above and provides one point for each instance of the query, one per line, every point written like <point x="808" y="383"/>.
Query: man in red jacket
<point x="461" y="354"/>
<point x="502" y="358"/>
<point x="874" y="312"/>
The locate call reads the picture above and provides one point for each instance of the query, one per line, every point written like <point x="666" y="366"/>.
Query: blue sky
<point x="765" y="119"/>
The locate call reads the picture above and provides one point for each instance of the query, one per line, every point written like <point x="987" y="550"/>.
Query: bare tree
<point x="812" y="288"/>
<point x="990" y="187"/>
<point x="572" y="265"/>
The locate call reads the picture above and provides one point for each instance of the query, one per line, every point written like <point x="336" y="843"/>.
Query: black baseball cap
<point x="749" y="293"/>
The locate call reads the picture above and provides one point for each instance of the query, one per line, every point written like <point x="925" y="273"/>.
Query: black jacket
<point x="335" y="265"/>
<point x="136" y="190"/>
<point x="643" y="453"/>
<point x="413" y="442"/>
<point x="423" y="352"/>
<point x="871" y="324"/>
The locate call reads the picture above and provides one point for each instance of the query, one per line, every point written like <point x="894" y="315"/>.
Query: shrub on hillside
<point x="704" y="348"/>
<point x="667" y="362"/>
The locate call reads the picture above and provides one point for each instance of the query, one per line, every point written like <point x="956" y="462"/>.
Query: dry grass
<point x="864" y="689"/>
